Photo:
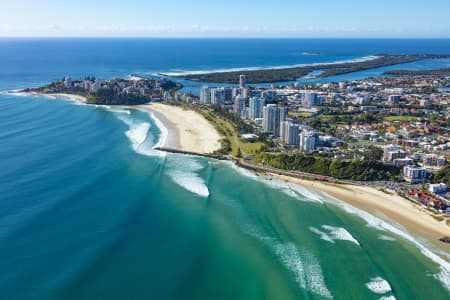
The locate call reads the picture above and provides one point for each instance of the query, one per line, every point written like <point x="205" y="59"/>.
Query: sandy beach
<point x="78" y="98"/>
<point x="414" y="218"/>
<point x="187" y="129"/>
<point x="74" y="97"/>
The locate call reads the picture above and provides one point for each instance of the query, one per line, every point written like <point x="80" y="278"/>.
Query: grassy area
<point x="230" y="132"/>
<point x="401" y="118"/>
<point x="295" y="114"/>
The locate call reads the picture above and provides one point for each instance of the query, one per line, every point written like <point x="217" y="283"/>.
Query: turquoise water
<point x="89" y="211"/>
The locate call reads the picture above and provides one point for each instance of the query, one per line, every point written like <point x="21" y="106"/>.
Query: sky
<point x="230" y="18"/>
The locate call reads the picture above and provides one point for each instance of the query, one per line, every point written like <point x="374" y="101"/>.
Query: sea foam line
<point x="164" y="133"/>
<point x="203" y="72"/>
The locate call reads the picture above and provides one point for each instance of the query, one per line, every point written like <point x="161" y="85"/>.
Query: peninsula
<point x="134" y="91"/>
<point x="293" y="73"/>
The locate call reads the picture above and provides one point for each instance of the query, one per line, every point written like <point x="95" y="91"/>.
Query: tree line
<point x="350" y="169"/>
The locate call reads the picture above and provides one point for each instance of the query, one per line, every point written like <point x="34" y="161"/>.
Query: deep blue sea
<point x="89" y="211"/>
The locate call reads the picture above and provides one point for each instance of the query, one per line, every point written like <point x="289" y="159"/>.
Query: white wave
<point x="17" y="94"/>
<point x="306" y="193"/>
<point x="202" y="72"/>
<point x="184" y="172"/>
<point x="290" y="189"/>
<point x="140" y="144"/>
<point x="163" y="132"/>
<point x="184" y="163"/>
<point x="387" y="298"/>
<point x="304" y="265"/>
<point x="379" y="286"/>
<point x="119" y="110"/>
<point x="334" y="234"/>
<point x="10" y="91"/>
<point x="190" y="181"/>
<point x="386" y="238"/>
<point x="241" y="171"/>
<point x="137" y="134"/>
<point x="339" y="233"/>
<point x="374" y="222"/>
<point x="323" y="235"/>
<point x="134" y="78"/>
<point x="78" y="103"/>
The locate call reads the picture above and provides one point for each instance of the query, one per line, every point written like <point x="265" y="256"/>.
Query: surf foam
<point x="334" y="234"/>
<point x="376" y="223"/>
<point x="163" y="132"/>
<point x="379" y="286"/>
<point x="191" y="182"/>
<point x="386" y="238"/>
<point x="184" y="172"/>
<point x="137" y="134"/>
<point x="303" y="264"/>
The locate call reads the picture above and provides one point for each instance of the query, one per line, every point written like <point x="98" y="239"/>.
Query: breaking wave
<point x="184" y="172"/>
<point x="334" y="234"/>
<point x="379" y="286"/>
<point x="386" y="238"/>
<point x="191" y="182"/>
<point x="376" y="223"/>
<point x="137" y="134"/>
<point x="303" y="264"/>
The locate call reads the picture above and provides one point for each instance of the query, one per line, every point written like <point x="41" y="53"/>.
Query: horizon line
<point x="223" y="37"/>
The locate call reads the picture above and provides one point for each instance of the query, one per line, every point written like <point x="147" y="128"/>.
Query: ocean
<point x="88" y="210"/>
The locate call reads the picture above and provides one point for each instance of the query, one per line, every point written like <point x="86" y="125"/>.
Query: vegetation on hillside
<point x="111" y="97"/>
<point x="367" y="170"/>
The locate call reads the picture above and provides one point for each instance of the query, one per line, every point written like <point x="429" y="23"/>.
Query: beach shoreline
<point x="187" y="129"/>
<point x="72" y="97"/>
<point x="184" y="130"/>
<point x="388" y="207"/>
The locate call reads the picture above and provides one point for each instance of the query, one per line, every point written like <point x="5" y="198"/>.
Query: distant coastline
<point x="293" y="73"/>
<point x="180" y="73"/>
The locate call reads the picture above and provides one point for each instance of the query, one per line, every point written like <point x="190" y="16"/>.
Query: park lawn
<point x="229" y="130"/>
<point x="401" y="118"/>
<point x="296" y="114"/>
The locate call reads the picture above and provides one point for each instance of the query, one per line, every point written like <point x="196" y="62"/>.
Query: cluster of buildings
<point x="406" y="117"/>
<point x="417" y="166"/>
<point x="154" y="89"/>
<point x="427" y="200"/>
<point x="273" y="111"/>
<point x="267" y="109"/>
